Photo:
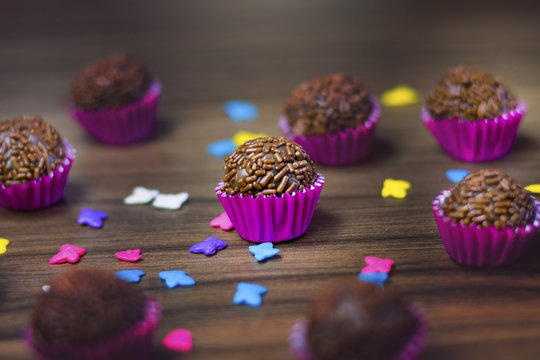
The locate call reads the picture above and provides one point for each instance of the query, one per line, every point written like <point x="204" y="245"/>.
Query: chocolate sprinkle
<point x="29" y="148"/>
<point x="489" y="197"/>
<point x="328" y="104"/>
<point x="469" y="94"/>
<point x="110" y="83"/>
<point x="268" y="166"/>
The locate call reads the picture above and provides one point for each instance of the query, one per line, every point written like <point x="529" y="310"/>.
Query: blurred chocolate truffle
<point x="327" y="104"/>
<point x="267" y="166"/>
<point x="29" y="148"/>
<point x="490" y="197"/>
<point x="110" y="83"/>
<point x="84" y="307"/>
<point x="355" y="320"/>
<point x="469" y="94"/>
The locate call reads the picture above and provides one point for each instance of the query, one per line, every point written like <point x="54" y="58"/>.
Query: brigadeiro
<point x="472" y="115"/>
<point x="488" y="219"/>
<point x="270" y="189"/>
<point x="88" y="315"/>
<point x="116" y="101"/>
<point x="333" y="118"/>
<point x="34" y="163"/>
<point x="351" y="320"/>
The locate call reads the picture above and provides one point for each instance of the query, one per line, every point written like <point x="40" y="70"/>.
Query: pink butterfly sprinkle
<point x="179" y="340"/>
<point x="375" y="264"/>
<point x="222" y="221"/>
<point x="129" y="255"/>
<point x="69" y="253"/>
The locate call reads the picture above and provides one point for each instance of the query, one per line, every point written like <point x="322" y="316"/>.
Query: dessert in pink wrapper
<point x="332" y="118"/>
<point x="472" y="115"/>
<point x="116" y="101"/>
<point x="270" y="190"/>
<point x="378" y="324"/>
<point x="344" y="147"/>
<point x="87" y="315"/>
<point x="487" y="220"/>
<point x="36" y="162"/>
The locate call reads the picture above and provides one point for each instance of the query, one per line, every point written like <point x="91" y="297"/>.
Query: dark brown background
<point x="207" y="52"/>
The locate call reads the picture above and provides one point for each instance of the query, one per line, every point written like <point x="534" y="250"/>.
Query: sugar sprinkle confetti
<point x="222" y="221"/>
<point x="242" y="136"/>
<point x="534" y="188"/>
<point x="263" y="251"/>
<point x="130" y="275"/>
<point x="68" y="253"/>
<point x="174" y="278"/>
<point x="395" y="188"/>
<point x="140" y="196"/>
<point x="249" y="294"/>
<point x="130" y="255"/>
<point x="401" y="95"/>
<point x="240" y="110"/>
<point x="170" y="201"/>
<point x="209" y="246"/>
<point x="221" y="148"/>
<point x="3" y="245"/>
<point x="92" y="218"/>
<point x="375" y="264"/>
<point x="179" y="340"/>
<point x="456" y="175"/>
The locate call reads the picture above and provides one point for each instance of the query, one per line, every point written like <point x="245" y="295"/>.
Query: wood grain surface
<point x="206" y="52"/>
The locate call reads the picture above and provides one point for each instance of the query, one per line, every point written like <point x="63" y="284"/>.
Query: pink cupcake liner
<point x="473" y="246"/>
<point x="344" y="147"/>
<point x="134" y="343"/>
<point x="271" y="218"/>
<point x="300" y="347"/>
<point x="42" y="192"/>
<point x="128" y="124"/>
<point x="476" y="141"/>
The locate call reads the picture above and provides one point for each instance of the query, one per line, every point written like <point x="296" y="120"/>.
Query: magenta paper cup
<point x="344" y="147"/>
<point x="134" y="343"/>
<point x="300" y="347"/>
<point x="42" y="192"/>
<point x="268" y="218"/>
<point x="476" y="141"/>
<point x="125" y="125"/>
<point x="487" y="247"/>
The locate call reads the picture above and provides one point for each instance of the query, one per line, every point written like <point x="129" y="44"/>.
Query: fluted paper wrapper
<point x="133" y="344"/>
<point x="344" y="147"/>
<point x="271" y="218"/>
<point x="43" y="192"/>
<point x="476" y="141"/>
<point x="487" y="247"/>
<point x="125" y="125"/>
<point x="300" y="347"/>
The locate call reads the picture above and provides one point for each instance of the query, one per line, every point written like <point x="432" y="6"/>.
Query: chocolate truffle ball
<point x="327" y="104"/>
<point x="355" y="320"/>
<point x="84" y="307"/>
<point x="469" y="94"/>
<point x="110" y="83"/>
<point x="489" y="197"/>
<point x="267" y="166"/>
<point x="29" y="148"/>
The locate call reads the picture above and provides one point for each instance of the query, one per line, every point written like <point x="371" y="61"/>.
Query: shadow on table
<point x="531" y="258"/>
<point x="383" y="149"/>
<point x="323" y="222"/>
<point x="165" y="127"/>
<point x="525" y="143"/>
<point x="164" y="354"/>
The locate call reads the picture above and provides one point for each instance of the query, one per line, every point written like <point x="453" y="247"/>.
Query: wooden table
<point x="208" y="52"/>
